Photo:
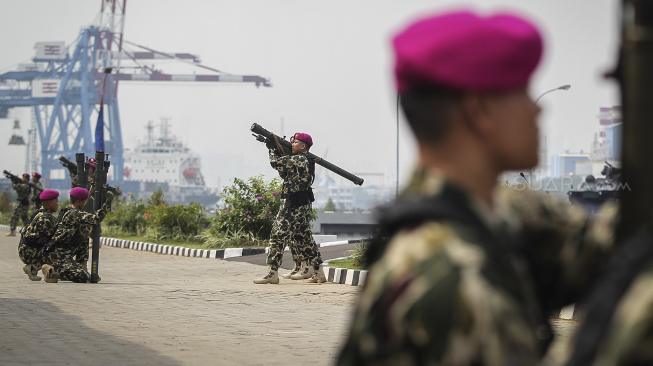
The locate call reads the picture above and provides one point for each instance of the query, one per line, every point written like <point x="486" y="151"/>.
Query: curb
<point x="344" y="276"/>
<point x="180" y="251"/>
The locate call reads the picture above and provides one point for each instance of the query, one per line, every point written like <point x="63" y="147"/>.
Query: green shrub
<point x="178" y="222"/>
<point x="251" y="206"/>
<point x="126" y="218"/>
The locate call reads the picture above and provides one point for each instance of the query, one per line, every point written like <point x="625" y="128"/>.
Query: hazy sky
<point x="330" y="64"/>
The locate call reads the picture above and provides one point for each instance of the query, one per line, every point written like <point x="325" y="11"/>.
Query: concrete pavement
<point x="153" y="309"/>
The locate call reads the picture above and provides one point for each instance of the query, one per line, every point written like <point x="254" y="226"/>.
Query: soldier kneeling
<point x="36" y="235"/>
<point x="67" y="260"/>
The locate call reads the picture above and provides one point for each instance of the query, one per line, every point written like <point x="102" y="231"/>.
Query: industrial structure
<point x="63" y="87"/>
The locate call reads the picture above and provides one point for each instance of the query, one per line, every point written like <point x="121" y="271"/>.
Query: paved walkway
<point x="153" y="309"/>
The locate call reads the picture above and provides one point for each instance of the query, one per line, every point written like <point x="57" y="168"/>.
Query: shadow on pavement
<point x="37" y="332"/>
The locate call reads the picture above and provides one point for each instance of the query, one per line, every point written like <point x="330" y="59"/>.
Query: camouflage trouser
<point x="30" y="256"/>
<point x="293" y="227"/>
<point x="67" y="266"/>
<point x="20" y="212"/>
<point x="81" y="253"/>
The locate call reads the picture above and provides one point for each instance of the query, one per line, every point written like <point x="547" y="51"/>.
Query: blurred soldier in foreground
<point x="22" y="208"/>
<point x="36" y="236"/>
<point x="292" y="224"/>
<point x="36" y="191"/>
<point x="69" y="256"/>
<point x="465" y="271"/>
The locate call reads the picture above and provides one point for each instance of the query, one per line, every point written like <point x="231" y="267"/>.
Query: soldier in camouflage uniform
<point x="38" y="234"/>
<point x="22" y="208"/>
<point x="292" y="223"/>
<point x="67" y="260"/>
<point x="465" y="272"/>
<point x="36" y="201"/>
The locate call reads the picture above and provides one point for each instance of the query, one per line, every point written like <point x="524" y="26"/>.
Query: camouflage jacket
<point x="22" y="191"/>
<point x="41" y="229"/>
<point x="294" y="170"/>
<point x="443" y="294"/>
<point x="35" y="192"/>
<point x="76" y="225"/>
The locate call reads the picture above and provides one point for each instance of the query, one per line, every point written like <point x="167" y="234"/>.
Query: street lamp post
<point x="537" y="100"/>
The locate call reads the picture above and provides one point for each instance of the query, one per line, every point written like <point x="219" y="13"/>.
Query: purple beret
<point x="466" y="51"/>
<point x="48" y="194"/>
<point x="79" y="193"/>
<point x="303" y="137"/>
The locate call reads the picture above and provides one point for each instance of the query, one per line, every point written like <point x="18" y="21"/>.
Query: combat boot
<point x="272" y="278"/>
<point x="50" y="275"/>
<point x="306" y="272"/>
<point x="29" y="271"/>
<point x="298" y="267"/>
<point x="317" y="277"/>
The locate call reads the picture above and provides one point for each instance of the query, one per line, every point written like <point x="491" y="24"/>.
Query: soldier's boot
<point x="306" y="272"/>
<point x="272" y="278"/>
<point x="31" y="273"/>
<point x="298" y="267"/>
<point x="317" y="277"/>
<point x="12" y="233"/>
<point x="50" y="275"/>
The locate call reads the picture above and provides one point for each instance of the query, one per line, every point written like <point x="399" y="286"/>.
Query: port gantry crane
<point x="64" y="89"/>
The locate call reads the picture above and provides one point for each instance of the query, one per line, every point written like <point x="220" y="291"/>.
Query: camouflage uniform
<point x="34" y="237"/>
<point x="22" y="209"/>
<point x="292" y="224"/>
<point x="70" y="253"/>
<point x="475" y="287"/>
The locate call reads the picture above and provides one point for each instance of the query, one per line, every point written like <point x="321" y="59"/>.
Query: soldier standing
<point x="39" y="232"/>
<point x="36" y="201"/>
<point x="292" y="223"/>
<point x="466" y="272"/>
<point x="67" y="260"/>
<point x="22" y="208"/>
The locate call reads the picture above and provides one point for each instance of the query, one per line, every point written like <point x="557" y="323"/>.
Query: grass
<point x="348" y="263"/>
<point x="179" y="243"/>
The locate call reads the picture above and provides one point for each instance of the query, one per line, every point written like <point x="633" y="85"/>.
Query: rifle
<point x="16" y="180"/>
<point x="285" y="147"/>
<point x="72" y="167"/>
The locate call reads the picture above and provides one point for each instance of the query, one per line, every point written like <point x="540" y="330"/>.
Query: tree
<point x="330" y="206"/>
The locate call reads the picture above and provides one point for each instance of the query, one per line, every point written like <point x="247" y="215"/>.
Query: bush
<point x="5" y="203"/>
<point x="126" y="218"/>
<point x="178" y="222"/>
<point x="250" y="208"/>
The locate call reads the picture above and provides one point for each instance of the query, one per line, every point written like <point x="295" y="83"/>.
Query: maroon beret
<point x="466" y="51"/>
<point x="36" y="175"/>
<point x="48" y="194"/>
<point x="303" y="137"/>
<point x="79" y="193"/>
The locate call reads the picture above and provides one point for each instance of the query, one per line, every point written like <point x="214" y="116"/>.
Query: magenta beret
<point x="79" y="193"/>
<point x="466" y="51"/>
<point x="48" y="194"/>
<point x="303" y="137"/>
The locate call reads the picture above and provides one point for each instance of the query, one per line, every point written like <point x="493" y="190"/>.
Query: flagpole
<point x="101" y="168"/>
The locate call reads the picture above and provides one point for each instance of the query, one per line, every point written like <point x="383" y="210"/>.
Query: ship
<point x="163" y="162"/>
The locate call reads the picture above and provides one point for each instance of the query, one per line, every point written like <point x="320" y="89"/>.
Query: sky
<point x="330" y="64"/>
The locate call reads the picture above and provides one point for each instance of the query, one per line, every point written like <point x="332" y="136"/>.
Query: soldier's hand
<point x="270" y="144"/>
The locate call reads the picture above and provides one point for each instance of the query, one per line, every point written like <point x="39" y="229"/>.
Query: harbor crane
<point x="63" y="85"/>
